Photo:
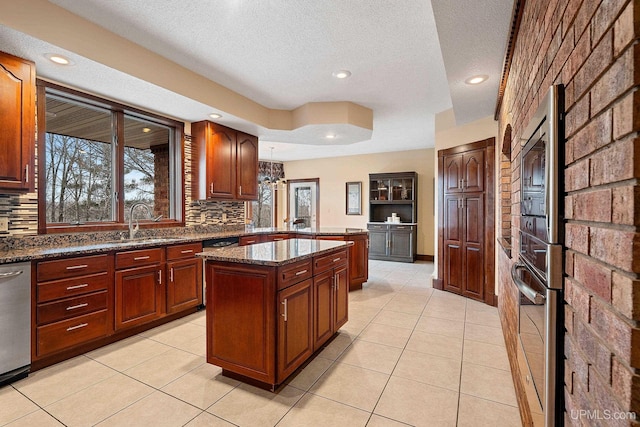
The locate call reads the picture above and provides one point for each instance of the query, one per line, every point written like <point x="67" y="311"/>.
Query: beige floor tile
<point x="351" y="385"/>
<point x="372" y="298"/>
<point x="164" y="368"/>
<point x="14" y="405"/>
<point x="201" y="387"/>
<point x="334" y="349"/>
<point x="180" y="335"/>
<point x="369" y="355"/>
<point x="482" y="333"/>
<point x="429" y="369"/>
<point x="480" y="306"/>
<point x="475" y="412"/>
<point x="418" y="404"/>
<point x="378" y="421"/>
<point x="314" y="410"/>
<point x="436" y="325"/>
<point x="405" y="307"/>
<point x="443" y="312"/>
<point x="305" y="378"/>
<point x="486" y="318"/>
<point x="394" y="318"/>
<point x="447" y="303"/>
<point x="493" y="356"/>
<point x="387" y="335"/>
<point x="249" y="406"/>
<point x="438" y="345"/>
<point x="354" y="327"/>
<point x="99" y="401"/>
<point x="363" y="313"/>
<point x="128" y="353"/>
<point x="197" y="346"/>
<point x="488" y="383"/>
<point x="199" y="318"/>
<point x="51" y="384"/>
<point x="155" y="410"/>
<point x="39" y="418"/>
<point x="206" y="419"/>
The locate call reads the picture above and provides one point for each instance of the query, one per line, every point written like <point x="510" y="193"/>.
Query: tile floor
<point x="409" y="355"/>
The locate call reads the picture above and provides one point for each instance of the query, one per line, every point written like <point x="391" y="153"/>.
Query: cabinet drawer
<point x="328" y="262"/>
<point x="71" y="307"/>
<point x="249" y="240"/>
<point x="71" y="267"/>
<point x="407" y="228"/>
<point x="377" y="227"/>
<point x="276" y="237"/>
<point x="183" y="251"/>
<point x="71" y="287"/>
<point x="138" y="258"/>
<point x="68" y="333"/>
<point x="294" y="273"/>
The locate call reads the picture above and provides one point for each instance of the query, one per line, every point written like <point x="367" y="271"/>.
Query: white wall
<point x="335" y="172"/>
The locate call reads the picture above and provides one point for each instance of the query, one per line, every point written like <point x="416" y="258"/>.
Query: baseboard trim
<point x="425" y="258"/>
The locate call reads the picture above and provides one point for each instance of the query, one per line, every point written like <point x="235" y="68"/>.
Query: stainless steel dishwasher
<point x="15" y="321"/>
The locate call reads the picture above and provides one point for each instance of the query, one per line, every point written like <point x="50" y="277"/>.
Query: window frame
<point x="118" y="111"/>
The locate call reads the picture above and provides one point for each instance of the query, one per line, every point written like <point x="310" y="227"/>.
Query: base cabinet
<point x="392" y="242"/>
<point x="264" y="322"/>
<point x="184" y="281"/>
<point x="138" y="296"/>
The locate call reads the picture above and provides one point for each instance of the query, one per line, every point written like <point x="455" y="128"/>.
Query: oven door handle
<point x="535" y="297"/>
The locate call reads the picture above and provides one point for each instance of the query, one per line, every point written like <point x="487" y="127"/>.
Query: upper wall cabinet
<point x="17" y="123"/>
<point x="225" y="163"/>
<point x="464" y="172"/>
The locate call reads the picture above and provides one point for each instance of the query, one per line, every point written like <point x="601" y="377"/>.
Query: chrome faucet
<point x="133" y="230"/>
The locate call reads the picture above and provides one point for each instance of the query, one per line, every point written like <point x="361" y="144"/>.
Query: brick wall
<point x="591" y="47"/>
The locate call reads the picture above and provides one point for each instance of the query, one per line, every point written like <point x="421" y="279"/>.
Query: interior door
<point x="303" y="202"/>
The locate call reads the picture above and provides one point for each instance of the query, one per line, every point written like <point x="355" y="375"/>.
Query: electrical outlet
<point x="4" y="224"/>
<point x="224" y="217"/>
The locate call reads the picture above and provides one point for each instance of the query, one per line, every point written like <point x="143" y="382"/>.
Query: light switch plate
<point x="4" y="224"/>
<point x="224" y="217"/>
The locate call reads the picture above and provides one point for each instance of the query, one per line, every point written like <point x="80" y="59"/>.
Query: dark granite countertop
<point x="273" y="253"/>
<point x="32" y="248"/>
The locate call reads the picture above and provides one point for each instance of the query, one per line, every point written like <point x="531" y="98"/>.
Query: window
<point x="89" y="179"/>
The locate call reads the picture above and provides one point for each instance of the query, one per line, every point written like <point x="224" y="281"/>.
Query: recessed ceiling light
<point x="146" y="130"/>
<point x="58" y="59"/>
<point x="341" y="74"/>
<point x="476" y="80"/>
<point x="215" y="115"/>
<point x="331" y="136"/>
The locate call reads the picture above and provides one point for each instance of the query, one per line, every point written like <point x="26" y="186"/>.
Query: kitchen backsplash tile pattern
<point x="22" y="213"/>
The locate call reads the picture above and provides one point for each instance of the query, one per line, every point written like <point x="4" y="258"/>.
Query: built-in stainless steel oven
<point x="538" y="271"/>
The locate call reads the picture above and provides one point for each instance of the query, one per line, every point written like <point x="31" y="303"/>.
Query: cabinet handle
<point x="336" y="259"/>
<point x="402" y="227"/>
<point x="81" y="325"/>
<point x="301" y="272"/>
<point x="190" y="251"/>
<point x="285" y="309"/>
<point x="336" y="281"/>
<point x="248" y="242"/>
<point x="77" y="267"/>
<point x="278" y="239"/>
<point x="84" y="285"/>
<point x="240" y="190"/>
<point x="26" y="173"/>
<point x="73" y="307"/>
<point x="211" y="188"/>
<point x="10" y="274"/>
<point x="459" y="184"/>
<point x="367" y="243"/>
<point x="171" y="274"/>
<point x="159" y="277"/>
<point x="140" y="258"/>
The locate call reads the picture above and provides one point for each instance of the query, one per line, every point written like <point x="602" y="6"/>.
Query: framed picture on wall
<point x="354" y="198"/>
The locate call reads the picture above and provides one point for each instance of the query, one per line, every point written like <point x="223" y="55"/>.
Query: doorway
<point x="303" y="202"/>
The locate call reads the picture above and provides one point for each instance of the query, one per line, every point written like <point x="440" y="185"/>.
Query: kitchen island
<point x="271" y="306"/>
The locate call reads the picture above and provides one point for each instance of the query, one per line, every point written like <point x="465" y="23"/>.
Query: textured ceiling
<point x="281" y="55"/>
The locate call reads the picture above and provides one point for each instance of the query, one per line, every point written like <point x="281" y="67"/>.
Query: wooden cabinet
<point x="465" y="221"/>
<point x="250" y="240"/>
<point x="139" y="287"/>
<point x="73" y="303"/>
<point x="392" y="242"/>
<point x="358" y="257"/>
<point x="295" y="340"/>
<point x="464" y="172"/>
<point x="262" y="321"/>
<point x="184" y="281"/>
<point x="17" y="123"/>
<point x="225" y="163"/>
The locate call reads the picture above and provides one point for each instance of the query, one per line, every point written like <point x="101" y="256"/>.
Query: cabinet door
<point x="453" y="241"/>
<point x="322" y="308"/>
<point x="184" y="287"/>
<point x="453" y="173"/>
<point x="221" y="162"/>
<point x="473" y="214"/>
<point x="401" y="243"/>
<point x="17" y="104"/>
<point x="358" y="261"/>
<point x="247" y="166"/>
<point x="340" y="297"/>
<point x="295" y="333"/>
<point x="378" y="242"/>
<point x="473" y="167"/>
<point x="139" y="296"/>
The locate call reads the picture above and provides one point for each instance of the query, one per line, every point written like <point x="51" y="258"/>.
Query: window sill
<point x="111" y="226"/>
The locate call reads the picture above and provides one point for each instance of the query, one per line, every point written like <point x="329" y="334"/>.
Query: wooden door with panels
<point x="466" y="221"/>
